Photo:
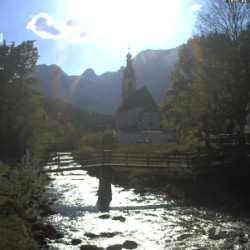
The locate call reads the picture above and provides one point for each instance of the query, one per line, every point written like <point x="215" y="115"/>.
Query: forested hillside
<point x="72" y="123"/>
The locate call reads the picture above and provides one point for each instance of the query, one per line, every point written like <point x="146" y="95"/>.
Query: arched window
<point x="130" y="86"/>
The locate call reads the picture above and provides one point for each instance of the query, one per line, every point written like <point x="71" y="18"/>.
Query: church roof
<point x="140" y="98"/>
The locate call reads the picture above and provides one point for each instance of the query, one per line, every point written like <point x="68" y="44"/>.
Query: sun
<point x="116" y="23"/>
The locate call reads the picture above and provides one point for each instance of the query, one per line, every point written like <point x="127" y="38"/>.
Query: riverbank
<point x="15" y="232"/>
<point x="22" y="202"/>
<point x="223" y="187"/>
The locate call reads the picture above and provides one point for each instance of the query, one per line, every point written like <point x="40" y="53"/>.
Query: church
<point x="138" y="111"/>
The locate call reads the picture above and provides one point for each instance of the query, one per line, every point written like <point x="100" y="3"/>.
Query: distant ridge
<point x="103" y="93"/>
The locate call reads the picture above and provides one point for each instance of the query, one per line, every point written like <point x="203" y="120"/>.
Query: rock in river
<point x="129" y="244"/>
<point x="76" y="241"/>
<point x="120" y="218"/>
<point x="91" y="235"/>
<point x="115" y="247"/>
<point x="90" y="247"/>
<point x="104" y="216"/>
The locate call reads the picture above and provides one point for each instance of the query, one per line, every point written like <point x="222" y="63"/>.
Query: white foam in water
<point x="152" y="221"/>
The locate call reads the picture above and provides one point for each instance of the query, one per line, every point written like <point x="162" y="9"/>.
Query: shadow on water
<point x="65" y="210"/>
<point x="144" y="207"/>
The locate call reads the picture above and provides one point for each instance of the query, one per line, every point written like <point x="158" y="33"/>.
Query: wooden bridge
<point x="108" y="160"/>
<point x="123" y="159"/>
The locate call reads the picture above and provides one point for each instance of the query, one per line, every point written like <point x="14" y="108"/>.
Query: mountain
<point x="55" y="83"/>
<point x="103" y="94"/>
<point x="152" y="69"/>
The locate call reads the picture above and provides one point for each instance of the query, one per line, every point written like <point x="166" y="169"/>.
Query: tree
<point x="24" y="125"/>
<point x="221" y="17"/>
<point x="196" y="103"/>
<point x="232" y="19"/>
<point x="210" y="92"/>
<point x="214" y="70"/>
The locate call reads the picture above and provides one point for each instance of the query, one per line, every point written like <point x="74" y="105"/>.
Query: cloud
<point x="195" y="7"/>
<point x="1" y="37"/>
<point x="46" y="27"/>
<point x="71" y="22"/>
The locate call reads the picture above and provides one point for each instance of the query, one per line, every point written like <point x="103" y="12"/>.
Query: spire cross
<point x="129" y="48"/>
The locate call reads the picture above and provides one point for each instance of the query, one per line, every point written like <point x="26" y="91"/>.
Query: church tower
<point x="129" y="80"/>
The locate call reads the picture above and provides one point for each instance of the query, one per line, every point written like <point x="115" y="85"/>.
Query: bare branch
<point x="221" y="17"/>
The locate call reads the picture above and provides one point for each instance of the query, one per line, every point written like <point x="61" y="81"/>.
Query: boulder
<point x="104" y="216"/>
<point x="58" y="235"/>
<point x="40" y="238"/>
<point x="184" y="236"/>
<point x="109" y="234"/>
<point x="49" y="231"/>
<point x="129" y="244"/>
<point x="76" y="241"/>
<point x="90" y="247"/>
<point x="120" y="218"/>
<point x="91" y="235"/>
<point x="216" y="234"/>
<point x="115" y="247"/>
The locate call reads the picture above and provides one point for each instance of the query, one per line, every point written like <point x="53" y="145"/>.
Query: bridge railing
<point x="126" y="159"/>
<point x="135" y="159"/>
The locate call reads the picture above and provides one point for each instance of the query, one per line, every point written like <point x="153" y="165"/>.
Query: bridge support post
<point x="105" y="192"/>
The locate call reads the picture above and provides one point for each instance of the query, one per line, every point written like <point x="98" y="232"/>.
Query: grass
<point x="146" y="147"/>
<point x="5" y="185"/>
<point x="13" y="230"/>
<point x="14" y="234"/>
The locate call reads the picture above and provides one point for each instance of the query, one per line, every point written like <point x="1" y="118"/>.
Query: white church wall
<point x="151" y="120"/>
<point x="126" y="119"/>
<point x="150" y="136"/>
<point x="136" y="117"/>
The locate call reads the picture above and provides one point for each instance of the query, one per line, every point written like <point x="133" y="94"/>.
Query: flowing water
<point x="151" y="220"/>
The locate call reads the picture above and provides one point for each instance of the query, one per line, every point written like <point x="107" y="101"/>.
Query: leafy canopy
<point x="23" y="122"/>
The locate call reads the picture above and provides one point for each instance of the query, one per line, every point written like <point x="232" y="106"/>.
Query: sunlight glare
<point x="115" y="23"/>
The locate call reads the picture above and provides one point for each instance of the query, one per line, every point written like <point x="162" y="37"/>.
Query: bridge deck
<point x="113" y="165"/>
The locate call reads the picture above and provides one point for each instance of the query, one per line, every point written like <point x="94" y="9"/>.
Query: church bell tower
<point x="129" y="80"/>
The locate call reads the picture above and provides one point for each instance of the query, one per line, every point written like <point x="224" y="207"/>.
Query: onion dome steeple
<point x="129" y="71"/>
<point x="129" y="80"/>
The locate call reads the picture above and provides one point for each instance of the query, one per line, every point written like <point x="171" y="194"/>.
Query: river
<point x="153" y="221"/>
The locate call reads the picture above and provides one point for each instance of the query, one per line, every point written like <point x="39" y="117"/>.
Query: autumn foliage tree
<point x="210" y="93"/>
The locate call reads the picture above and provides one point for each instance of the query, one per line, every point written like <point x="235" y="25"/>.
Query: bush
<point x="14" y="232"/>
<point x="108" y="139"/>
<point x="28" y="188"/>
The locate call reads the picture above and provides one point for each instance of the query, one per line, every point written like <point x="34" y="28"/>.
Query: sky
<point x="81" y="34"/>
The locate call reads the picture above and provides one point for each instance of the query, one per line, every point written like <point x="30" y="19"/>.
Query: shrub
<point x="28" y="187"/>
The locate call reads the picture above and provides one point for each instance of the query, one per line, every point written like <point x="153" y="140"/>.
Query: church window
<point x="130" y="86"/>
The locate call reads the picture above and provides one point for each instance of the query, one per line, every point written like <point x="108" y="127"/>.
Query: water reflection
<point x="151" y="220"/>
